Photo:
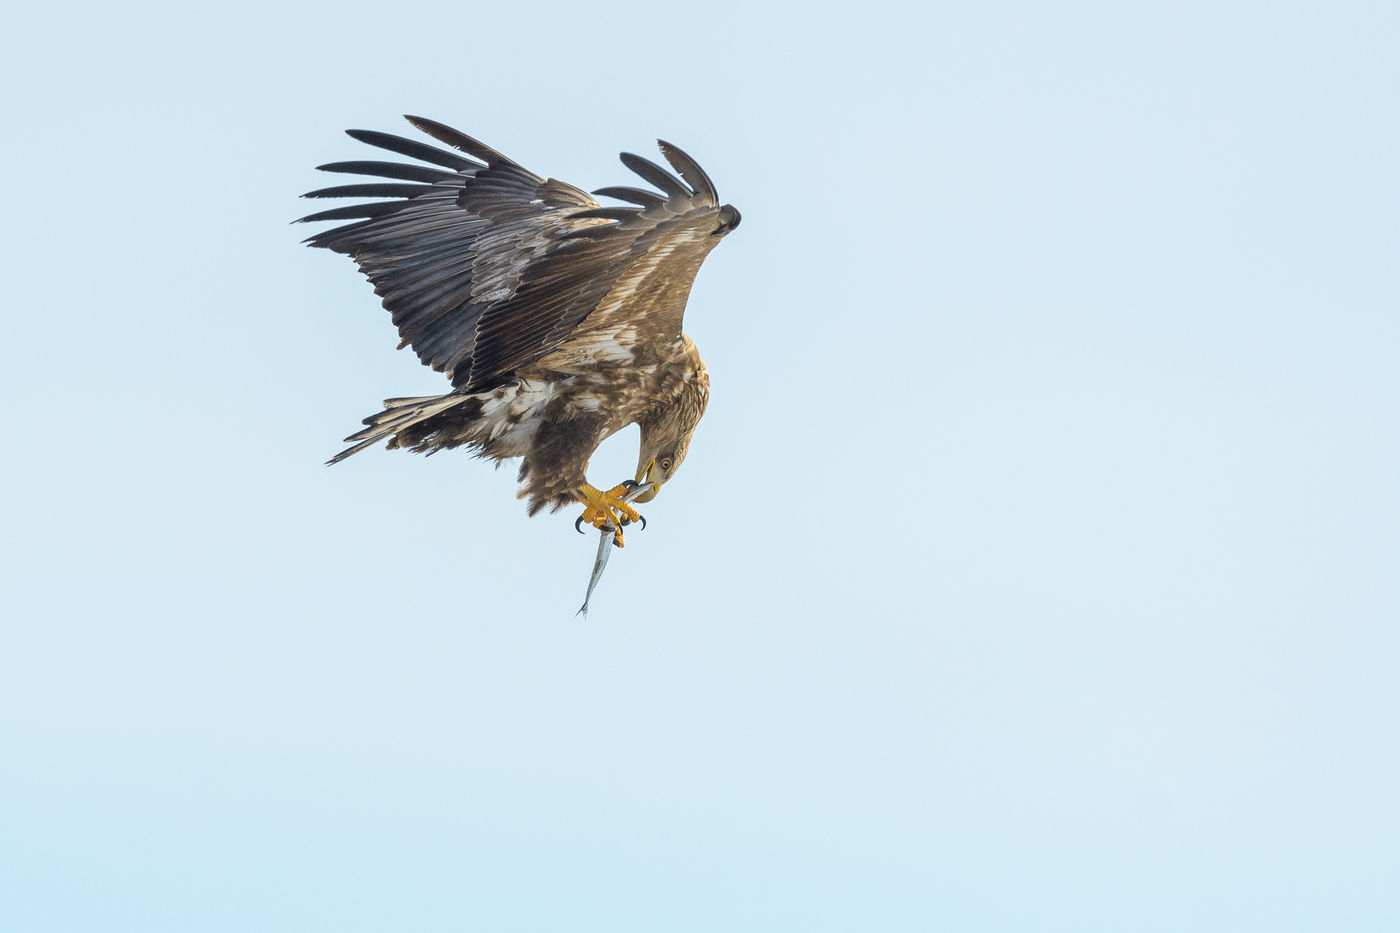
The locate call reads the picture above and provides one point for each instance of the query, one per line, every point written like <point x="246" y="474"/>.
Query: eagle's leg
<point x="607" y="510"/>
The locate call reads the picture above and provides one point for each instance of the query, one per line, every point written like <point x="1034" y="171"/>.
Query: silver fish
<point x="605" y="549"/>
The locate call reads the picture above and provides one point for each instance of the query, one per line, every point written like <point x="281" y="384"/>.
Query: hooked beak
<point x="644" y="476"/>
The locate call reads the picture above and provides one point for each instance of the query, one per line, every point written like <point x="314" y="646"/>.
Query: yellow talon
<point x="606" y="510"/>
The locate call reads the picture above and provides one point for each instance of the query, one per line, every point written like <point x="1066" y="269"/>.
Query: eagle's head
<point x="658" y="462"/>
<point x="666" y="432"/>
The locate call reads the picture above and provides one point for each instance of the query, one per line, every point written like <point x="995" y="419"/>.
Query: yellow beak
<point x="644" y="476"/>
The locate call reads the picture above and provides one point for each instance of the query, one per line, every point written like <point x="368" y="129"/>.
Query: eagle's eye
<point x="665" y="464"/>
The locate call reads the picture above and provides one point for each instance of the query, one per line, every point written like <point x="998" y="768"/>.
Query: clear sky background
<point x="1035" y="567"/>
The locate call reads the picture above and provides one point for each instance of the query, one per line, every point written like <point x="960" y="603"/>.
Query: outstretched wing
<point x="486" y="266"/>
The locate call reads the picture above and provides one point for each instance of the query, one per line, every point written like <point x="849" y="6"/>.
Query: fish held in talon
<point x="606" y="540"/>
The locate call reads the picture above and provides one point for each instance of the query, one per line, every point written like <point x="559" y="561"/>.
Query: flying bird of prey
<point x="557" y="319"/>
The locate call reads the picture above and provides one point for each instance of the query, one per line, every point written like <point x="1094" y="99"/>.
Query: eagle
<point x="556" y="318"/>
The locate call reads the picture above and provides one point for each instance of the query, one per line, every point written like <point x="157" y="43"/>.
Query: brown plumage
<point x="558" y="320"/>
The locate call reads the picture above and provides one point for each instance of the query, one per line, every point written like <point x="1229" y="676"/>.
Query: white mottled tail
<point x="398" y="413"/>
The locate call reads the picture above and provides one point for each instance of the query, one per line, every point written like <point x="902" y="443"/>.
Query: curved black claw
<point x="630" y="483"/>
<point x="643" y="519"/>
<point x="578" y="521"/>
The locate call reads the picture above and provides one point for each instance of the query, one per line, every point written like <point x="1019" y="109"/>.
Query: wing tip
<point x="689" y="169"/>
<point x="461" y="141"/>
<point x="656" y="175"/>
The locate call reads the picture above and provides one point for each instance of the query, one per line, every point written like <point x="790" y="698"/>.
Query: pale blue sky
<point x="1035" y="567"/>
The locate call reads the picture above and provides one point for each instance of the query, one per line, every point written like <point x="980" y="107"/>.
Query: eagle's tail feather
<point x="398" y="414"/>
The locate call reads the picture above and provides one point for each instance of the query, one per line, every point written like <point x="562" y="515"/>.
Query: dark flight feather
<point x="636" y="195"/>
<point x="415" y="150"/>
<point x="366" y="210"/>
<point x="655" y="174"/>
<point x="390" y="170"/>
<point x="459" y="140"/>
<point x="690" y="170"/>
<point x="370" y="191"/>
